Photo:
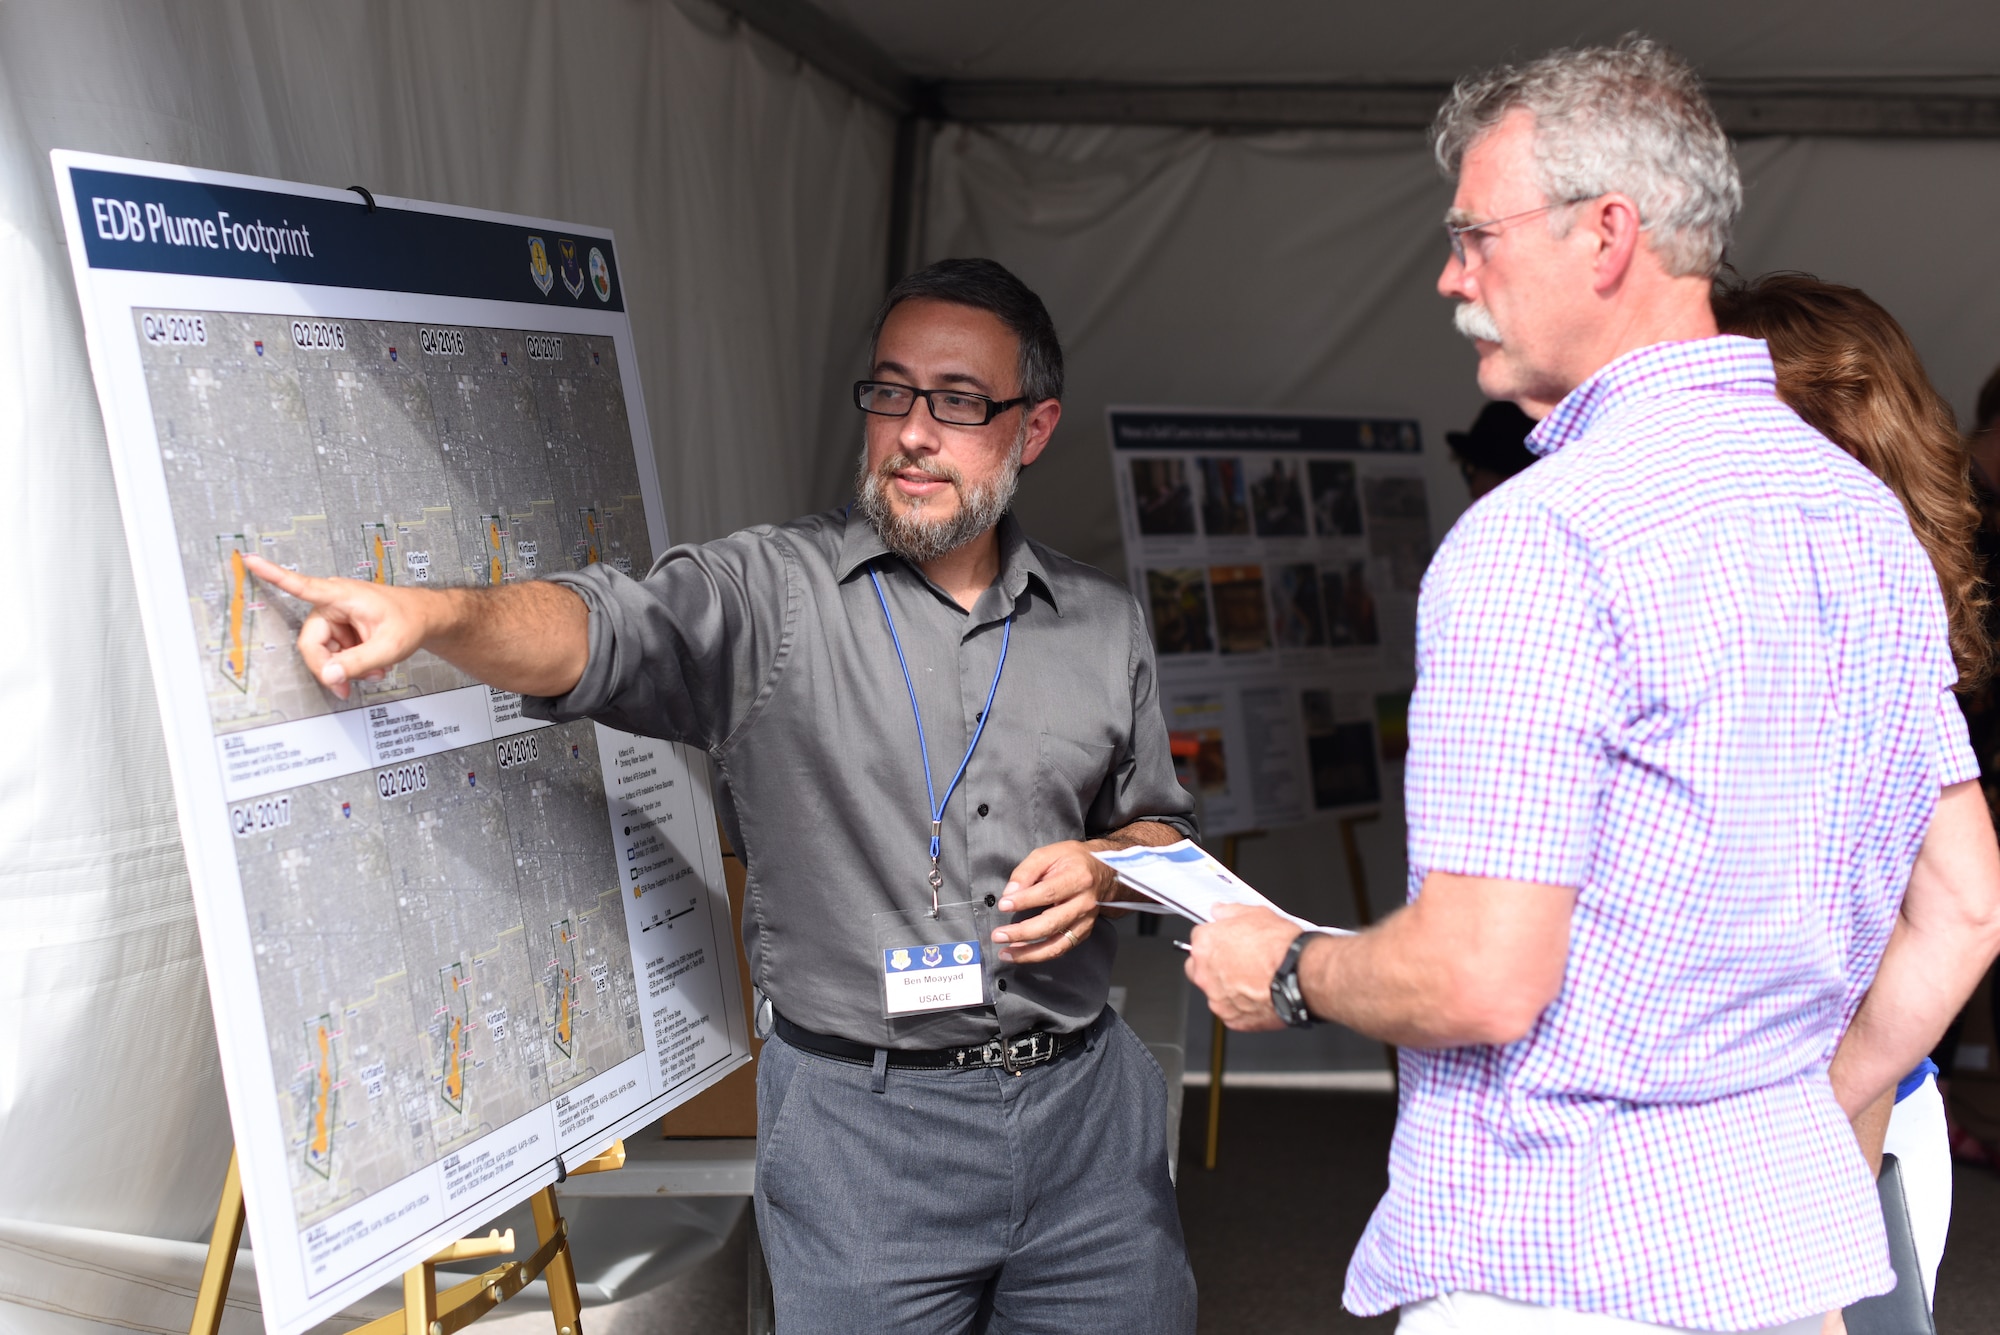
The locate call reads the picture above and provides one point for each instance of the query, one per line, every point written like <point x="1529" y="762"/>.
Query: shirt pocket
<point x="1068" y="776"/>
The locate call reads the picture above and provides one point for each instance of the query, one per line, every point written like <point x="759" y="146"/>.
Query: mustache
<point x="1476" y="322"/>
<point x="935" y="469"/>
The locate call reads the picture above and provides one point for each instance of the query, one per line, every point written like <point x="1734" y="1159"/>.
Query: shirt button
<point x="983" y="808"/>
<point x="989" y="901"/>
<point x="1001" y="984"/>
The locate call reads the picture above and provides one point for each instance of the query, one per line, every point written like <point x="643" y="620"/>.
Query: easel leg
<point x="560" y="1276"/>
<point x="1357" y="872"/>
<point x="1218" y="1034"/>
<point x="1364" y="912"/>
<point x="221" y="1263"/>
<point x="1218" y="1044"/>
<point x="425" y="1311"/>
<point x="419" y="1299"/>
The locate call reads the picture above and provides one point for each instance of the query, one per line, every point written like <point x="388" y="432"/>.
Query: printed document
<point x="1186" y="880"/>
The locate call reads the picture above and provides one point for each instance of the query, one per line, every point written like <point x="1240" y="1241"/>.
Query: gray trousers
<point x="972" y="1200"/>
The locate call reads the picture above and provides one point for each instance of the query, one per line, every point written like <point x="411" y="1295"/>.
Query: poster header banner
<point x="157" y="224"/>
<point x="1156" y="430"/>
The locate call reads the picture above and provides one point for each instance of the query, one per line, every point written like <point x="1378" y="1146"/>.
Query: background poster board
<point x="446" y="945"/>
<point x="1278" y="558"/>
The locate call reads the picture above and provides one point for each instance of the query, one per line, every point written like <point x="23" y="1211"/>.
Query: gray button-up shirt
<point x="769" y="650"/>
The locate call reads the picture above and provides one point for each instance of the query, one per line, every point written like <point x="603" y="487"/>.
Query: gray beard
<point x="919" y="540"/>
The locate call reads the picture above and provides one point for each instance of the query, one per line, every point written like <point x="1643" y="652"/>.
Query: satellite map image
<point x="441" y="944"/>
<point x="403" y="454"/>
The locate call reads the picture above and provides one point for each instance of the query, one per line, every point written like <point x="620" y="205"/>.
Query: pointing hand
<point x="356" y="631"/>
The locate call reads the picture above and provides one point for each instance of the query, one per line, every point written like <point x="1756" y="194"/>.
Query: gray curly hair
<point x="1630" y="119"/>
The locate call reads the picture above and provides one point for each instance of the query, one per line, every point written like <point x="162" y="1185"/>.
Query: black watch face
<point x="1287" y="1001"/>
<point x="1287" y="993"/>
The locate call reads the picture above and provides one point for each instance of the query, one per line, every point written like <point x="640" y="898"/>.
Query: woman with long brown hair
<point x="1847" y="368"/>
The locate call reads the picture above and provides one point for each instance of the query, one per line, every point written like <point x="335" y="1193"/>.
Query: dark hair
<point x="1987" y="413"/>
<point x="987" y="286"/>
<point x="1850" y="371"/>
<point x="1498" y="441"/>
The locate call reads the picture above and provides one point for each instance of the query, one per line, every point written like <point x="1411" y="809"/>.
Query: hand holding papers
<point x="1186" y="880"/>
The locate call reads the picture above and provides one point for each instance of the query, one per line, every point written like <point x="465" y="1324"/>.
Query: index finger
<point x="311" y="589"/>
<point x="1053" y="883"/>
<point x="1032" y="868"/>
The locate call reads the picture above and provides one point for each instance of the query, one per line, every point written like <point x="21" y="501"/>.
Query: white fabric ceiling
<point x="1286" y="40"/>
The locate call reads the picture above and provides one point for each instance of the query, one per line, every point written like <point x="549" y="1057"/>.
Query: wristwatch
<point x="1287" y="997"/>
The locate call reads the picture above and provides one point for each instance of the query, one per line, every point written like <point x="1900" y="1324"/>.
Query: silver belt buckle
<point x="1040" y="1048"/>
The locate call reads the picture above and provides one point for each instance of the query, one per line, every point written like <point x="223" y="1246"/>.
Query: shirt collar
<point x="1020" y="568"/>
<point x="1726" y="363"/>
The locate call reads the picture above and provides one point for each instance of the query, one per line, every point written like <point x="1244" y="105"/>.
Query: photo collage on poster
<point x="1278" y="559"/>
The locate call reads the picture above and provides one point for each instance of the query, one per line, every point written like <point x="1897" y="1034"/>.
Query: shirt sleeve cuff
<point x="1502" y="855"/>
<point x="1185" y="824"/>
<point x="1956" y="760"/>
<point x="593" y="690"/>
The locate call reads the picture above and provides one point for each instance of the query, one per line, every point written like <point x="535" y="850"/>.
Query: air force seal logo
<point x="600" y="275"/>
<point x="572" y="271"/>
<point x="538" y="265"/>
<point x="899" y="959"/>
<point x="933" y="957"/>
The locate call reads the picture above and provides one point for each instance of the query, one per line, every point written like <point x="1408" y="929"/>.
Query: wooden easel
<point x="426" y="1311"/>
<point x="1364" y="915"/>
<point x="1218" y="1033"/>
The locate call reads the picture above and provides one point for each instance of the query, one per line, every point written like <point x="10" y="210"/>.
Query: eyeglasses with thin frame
<point x="1456" y="234"/>
<point x="953" y="407"/>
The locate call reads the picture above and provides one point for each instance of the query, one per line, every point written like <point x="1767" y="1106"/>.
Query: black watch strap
<point x="1288" y="998"/>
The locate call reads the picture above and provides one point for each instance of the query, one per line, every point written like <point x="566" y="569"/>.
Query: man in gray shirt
<point x="918" y="718"/>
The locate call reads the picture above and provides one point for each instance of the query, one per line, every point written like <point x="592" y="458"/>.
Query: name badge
<point x="932" y="977"/>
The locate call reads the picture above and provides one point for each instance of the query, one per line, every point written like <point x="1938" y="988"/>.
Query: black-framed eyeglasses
<point x="954" y="407"/>
<point x="1457" y="232"/>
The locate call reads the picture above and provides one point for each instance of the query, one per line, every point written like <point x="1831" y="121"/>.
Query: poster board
<point x="1278" y="558"/>
<point x="447" y="946"/>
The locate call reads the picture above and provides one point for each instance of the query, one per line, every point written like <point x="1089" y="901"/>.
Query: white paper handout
<point x="1186" y="880"/>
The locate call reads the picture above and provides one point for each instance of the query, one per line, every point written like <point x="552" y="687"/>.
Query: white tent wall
<point x="1296" y="271"/>
<point x="750" y="196"/>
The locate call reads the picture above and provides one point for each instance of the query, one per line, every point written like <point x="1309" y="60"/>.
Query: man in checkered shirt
<point x="1682" y="737"/>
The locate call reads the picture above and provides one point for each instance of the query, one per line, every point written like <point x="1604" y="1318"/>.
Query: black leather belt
<point x="1030" y="1049"/>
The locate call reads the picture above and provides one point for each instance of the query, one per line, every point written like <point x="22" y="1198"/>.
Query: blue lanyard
<point x="923" y="748"/>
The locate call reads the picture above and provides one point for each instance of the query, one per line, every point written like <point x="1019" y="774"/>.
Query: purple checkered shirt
<point x="1693" y="663"/>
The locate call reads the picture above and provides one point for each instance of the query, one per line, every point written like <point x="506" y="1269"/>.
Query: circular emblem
<point x="962" y="953"/>
<point x="600" y="274"/>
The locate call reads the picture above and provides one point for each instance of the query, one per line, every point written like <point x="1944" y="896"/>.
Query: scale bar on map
<point x="285" y="755"/>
